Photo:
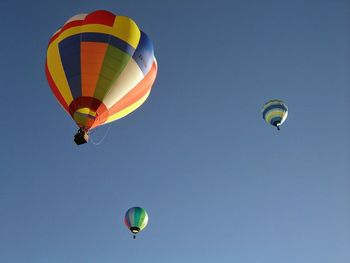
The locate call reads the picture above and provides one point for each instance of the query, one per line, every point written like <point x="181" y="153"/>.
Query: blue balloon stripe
<point x="69" y="50"/>
<point x="144" y="54"/>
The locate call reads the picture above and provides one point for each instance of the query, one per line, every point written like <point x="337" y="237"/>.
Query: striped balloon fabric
<point x="100" y="67"/>
<point x="136" y="219"/>
<point x="275" y="112"/>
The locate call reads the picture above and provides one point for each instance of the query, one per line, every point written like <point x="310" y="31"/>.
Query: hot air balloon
<point x="275" y="112"/>
<point x="100" y="67"/>
<point x="136" y="219"/>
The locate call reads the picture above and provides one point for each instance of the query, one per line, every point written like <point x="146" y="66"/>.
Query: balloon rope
<point x="104" y="136"/>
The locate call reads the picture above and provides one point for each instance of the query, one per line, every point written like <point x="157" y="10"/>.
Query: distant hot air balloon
<point x="275" y="112"/>
<point x="136" y="219"/>
<point x="100" y="67"/>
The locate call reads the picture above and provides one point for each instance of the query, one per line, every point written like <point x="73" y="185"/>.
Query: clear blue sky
<point x="219" y="184"/>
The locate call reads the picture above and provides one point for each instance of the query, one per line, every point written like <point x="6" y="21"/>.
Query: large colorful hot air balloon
<point x="100" y="67"/>
<point x="275" y="112"/>
<point x="136" y="219"/>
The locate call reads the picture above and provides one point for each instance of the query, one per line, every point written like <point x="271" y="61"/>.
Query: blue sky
<point x="219" y="184"/>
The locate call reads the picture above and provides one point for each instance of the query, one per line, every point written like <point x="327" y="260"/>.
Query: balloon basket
<point x="81" y="137"/>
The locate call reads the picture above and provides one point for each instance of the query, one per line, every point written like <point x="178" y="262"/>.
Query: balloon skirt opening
<point x="277" y="125"/>
<point x="134" y="229"/>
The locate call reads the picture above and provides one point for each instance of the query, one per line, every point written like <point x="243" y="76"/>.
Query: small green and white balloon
<point x="136" y="219"/>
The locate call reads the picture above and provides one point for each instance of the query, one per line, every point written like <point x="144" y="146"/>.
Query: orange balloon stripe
<point x="140" y="90"/>
<point x="92" y="56"/>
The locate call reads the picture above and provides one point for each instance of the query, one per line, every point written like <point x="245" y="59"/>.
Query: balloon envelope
<point x="275" y="112"/>
<point x="100" y="67"/>
<point x="136" y="219"/>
